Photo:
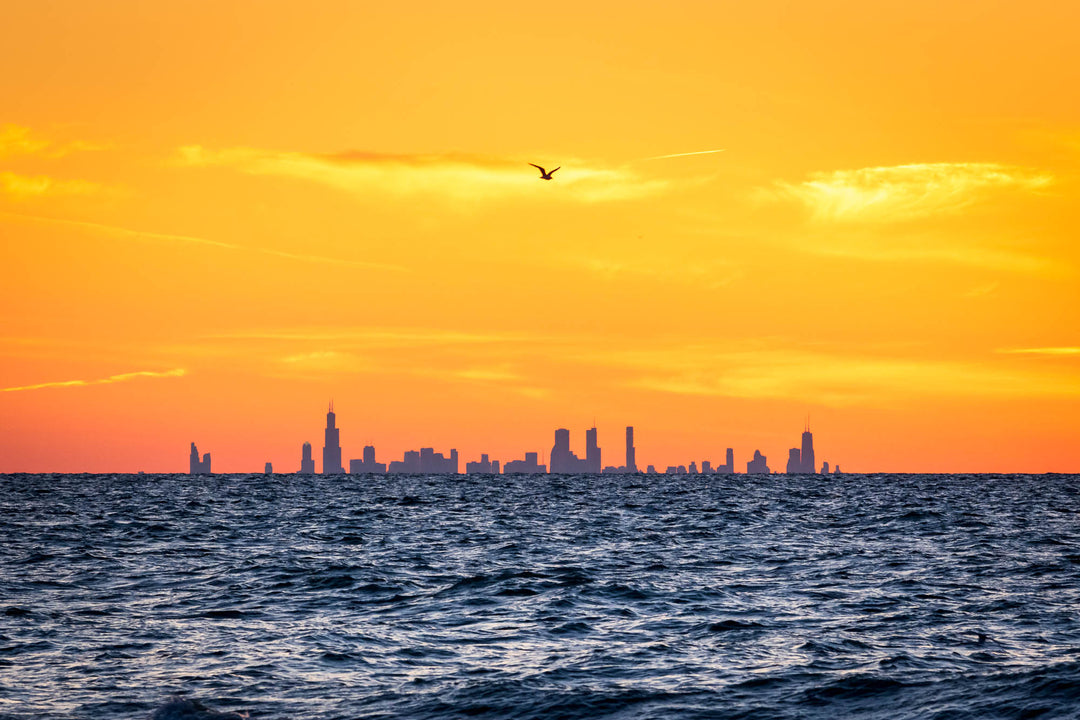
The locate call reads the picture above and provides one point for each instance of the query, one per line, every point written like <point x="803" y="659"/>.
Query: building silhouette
<point x="268" y="469"/>
<point x="331" y="452"/>
<point x="307" y="463"/>
<point x="757" y="466"/>
<point x="631" y="456"/>
<point x="592" y="452"/>
<point x="425" y="460"/>
<point x="794" y="461"/>
<point x="801" y="459"/>
<point x="728" y="468"/>
<point x="433" y="462"/>
<point x="807" y="452"/>
<point x="409" y="464"/>
<point x="563" y="460"/>
<point x="368" y="464"/>
<point x="527" y="466"/>
<point x="197" y="466"/>
<point x="483" y="466"/>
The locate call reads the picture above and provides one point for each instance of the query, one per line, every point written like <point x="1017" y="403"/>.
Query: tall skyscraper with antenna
<point x="331" y="452"/>
<point x="807" y="454"/>
<point x="592" y="452"/>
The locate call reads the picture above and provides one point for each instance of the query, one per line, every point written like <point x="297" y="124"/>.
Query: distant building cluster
<point x="562" y="460"/>
<point x="197" y="466"/>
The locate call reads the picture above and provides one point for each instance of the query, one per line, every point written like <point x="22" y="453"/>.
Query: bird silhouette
<point x="544" y="174"/>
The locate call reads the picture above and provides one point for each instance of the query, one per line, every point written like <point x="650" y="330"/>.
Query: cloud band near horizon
<point x="122" y="377"/>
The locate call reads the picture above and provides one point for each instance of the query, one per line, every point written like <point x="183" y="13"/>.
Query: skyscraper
<point x="331" y="452"/>
<point x="193" y="461"/>
<point x="631" y="459"/>
<point x="563" y="460"/>
<point x="807" y="454"/>
<point x="757" y="466"/>
<point x="794" y="462"/>
<point x="196" y="466"/>
<point x="307" y="463"/>
<point x="592" y="452"/>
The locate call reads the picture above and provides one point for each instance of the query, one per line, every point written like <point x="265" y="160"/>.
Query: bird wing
<point x="539" y="168"/>
<point x="553" y="171"/>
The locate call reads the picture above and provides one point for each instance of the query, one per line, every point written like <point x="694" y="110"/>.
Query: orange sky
<point x="215" y="216"/>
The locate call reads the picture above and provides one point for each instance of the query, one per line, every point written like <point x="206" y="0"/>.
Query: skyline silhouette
<point x="562" y="459"/>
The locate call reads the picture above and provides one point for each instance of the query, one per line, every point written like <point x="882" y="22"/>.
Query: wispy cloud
<point x="833" y="378"/>
<point x="19" y="140"/>
<point x="455" y="176"/>
<point x="933" y="247"/>
<point x="712" y="275"/>
<point x="381" y="337"/>
<point x="29" y="186"/>
<point x="1055" y="351"/>
<point x="123" y="377"/>
<point x="904" y="192"/>
<point x="145" y="236"/>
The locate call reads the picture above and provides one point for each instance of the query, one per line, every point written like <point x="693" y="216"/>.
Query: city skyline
<point x="562" y="459"/>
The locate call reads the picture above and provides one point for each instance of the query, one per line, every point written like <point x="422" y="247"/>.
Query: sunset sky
<point x="217" y="216"/>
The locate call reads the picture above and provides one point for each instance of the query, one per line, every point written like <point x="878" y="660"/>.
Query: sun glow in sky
<point x="217" y="216"/>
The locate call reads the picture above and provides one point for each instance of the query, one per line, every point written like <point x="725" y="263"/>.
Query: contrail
<point x="116" y="231"/>
<point x="699" y="152"/>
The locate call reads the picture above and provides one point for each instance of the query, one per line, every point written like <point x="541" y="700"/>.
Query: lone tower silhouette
<point x="331" y="452"/>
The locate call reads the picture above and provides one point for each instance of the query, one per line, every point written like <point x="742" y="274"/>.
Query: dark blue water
<point x="539" y="597"/>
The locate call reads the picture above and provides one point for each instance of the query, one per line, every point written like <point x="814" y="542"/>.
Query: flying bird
<point x="544" y="174"/>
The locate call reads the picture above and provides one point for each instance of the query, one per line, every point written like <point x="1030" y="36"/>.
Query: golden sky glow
<point x="216" y="216"/>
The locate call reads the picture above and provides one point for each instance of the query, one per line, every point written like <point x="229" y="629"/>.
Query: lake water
<point x="879" y="596"/>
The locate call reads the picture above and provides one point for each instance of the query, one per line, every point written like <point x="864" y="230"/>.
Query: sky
<point x="215" y="217"/>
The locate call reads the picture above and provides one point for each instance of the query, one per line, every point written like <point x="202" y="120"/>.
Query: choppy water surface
<point x="539" y="597"/>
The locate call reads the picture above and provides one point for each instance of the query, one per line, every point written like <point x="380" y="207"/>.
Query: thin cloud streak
<point x="191" y="239"/>
<point x="1058" y="351"/>
<point x="829" y="378"/>
<point x="387" y="337"/>
<point x="460" y="177"/>
<point x="936" y="249"/>
<point x="123" y="377"/>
